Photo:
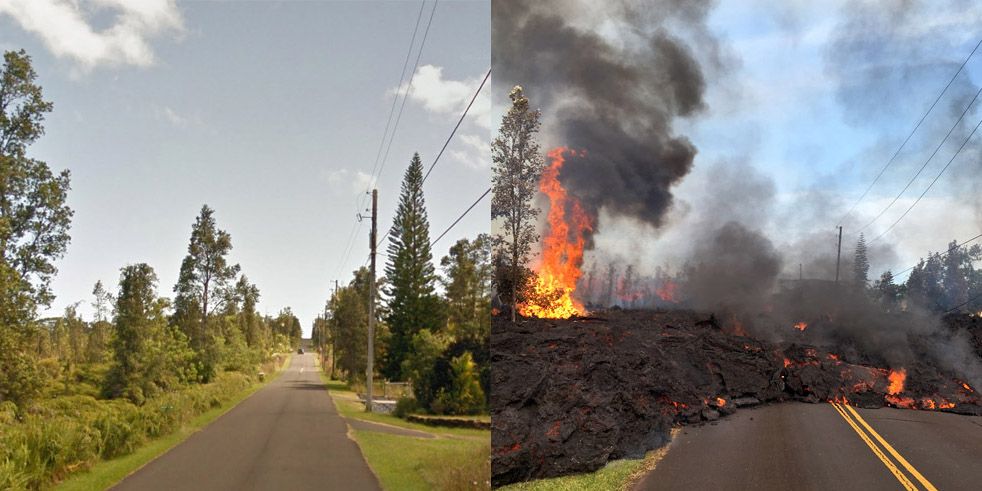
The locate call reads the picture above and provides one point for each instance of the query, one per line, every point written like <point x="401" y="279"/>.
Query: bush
<point x="405" y="406"/>
<point x="62" y="435"/>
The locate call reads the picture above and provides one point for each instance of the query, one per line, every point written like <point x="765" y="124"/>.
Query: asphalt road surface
<point x="799" y="446"/>
<point x="288" y="435"/>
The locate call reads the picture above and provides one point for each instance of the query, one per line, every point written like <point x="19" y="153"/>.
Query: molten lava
<point x="896" y="378"/>
<point x="801" y="326"/>
<point x="551" y="294"/>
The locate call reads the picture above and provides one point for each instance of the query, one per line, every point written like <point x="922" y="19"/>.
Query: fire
<point x="720" y="402"/>
<point x="787" y="363"/>
<point x="666" y="291"/>
<point x="833" y="357"/>
<point x="800" y="325"/>
<point x="551" y="295"/>
<point x="896" y="378"/>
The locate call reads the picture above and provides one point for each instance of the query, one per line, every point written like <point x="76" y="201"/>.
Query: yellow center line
<point x="917" y="475"/>
<point x="876" y="451"/>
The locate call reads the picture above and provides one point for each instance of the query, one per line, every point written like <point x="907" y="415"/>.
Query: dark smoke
<point x="616" y="101"/>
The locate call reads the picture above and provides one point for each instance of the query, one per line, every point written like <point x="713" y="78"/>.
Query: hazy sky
<point x="269" y="112"/>
<point x="814" y="98"/>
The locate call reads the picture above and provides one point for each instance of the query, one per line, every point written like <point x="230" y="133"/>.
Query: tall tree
<point x="148" y="355"/>
<point x="860" y="265"/>
<point x="203" y="287"/>
<point x="517" y="166"/>
<point x="412" y="301"/>
<point x="467" y="283"/>
<point x="34" y="223"/>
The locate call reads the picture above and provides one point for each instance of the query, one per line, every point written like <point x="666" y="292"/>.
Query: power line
<point x="402" y="75"/>
<point x="409" y="86"/>
<point x="926" y="162"/>
<point x="918" y="200"/>
<point x="918" y="125"/>
<point x="462" y="215"/>
<point x="959" y="306"/>
<point x="949" y="251"/>
<point x="461" y="120"/>
<point x="447" y="142"/>
<point x="395" y="99"/>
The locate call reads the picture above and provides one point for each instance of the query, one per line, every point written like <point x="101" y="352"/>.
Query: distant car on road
<point x="299" y="351"/>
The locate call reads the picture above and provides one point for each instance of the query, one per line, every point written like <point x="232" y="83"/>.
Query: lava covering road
<point x="570" y="395"/>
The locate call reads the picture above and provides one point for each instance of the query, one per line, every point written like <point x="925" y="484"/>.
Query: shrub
<point x="405" y="406"/>
<point x="65" y="434"/>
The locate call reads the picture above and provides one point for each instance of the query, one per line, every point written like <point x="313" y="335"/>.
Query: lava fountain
<point x="550" y="295"/>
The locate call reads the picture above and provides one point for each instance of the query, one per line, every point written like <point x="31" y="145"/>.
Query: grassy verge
<point x="106" y="473"/>
<point x="619" y="474"/>
<point x="456" y="459"/>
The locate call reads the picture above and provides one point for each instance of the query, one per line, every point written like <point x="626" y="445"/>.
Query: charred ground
<point x="570" y="395"/>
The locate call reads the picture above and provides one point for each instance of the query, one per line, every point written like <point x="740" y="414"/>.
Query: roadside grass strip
<point x="858" y="424"/>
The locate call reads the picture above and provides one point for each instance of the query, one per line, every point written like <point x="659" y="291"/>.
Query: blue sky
<point x="269" y="112"/>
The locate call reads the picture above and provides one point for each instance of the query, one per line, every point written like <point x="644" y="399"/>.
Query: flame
<point x="800" y="325"/>
<point x="833" y="357"/>
<point x="667" y="291"/>
<point x="896" y="378"/>
<point x="720" y="402"/>
<point x="551" y="295"/>
<point x="787" y="363"/>
<point x="967" y="388"/>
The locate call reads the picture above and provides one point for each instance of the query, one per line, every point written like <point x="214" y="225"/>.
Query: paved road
<point x="288" y="435"/>
<point x="815" y="446"/>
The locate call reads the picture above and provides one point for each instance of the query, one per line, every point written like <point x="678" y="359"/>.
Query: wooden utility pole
<point x="838" y="256"/>
<point x="371" y="304"/>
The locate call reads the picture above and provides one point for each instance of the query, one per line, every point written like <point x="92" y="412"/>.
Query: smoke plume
<point x="616" y="97"/>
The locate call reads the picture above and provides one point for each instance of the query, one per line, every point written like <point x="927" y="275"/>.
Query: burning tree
<point x="517" y="166"/>
<point x="550" y="294"/>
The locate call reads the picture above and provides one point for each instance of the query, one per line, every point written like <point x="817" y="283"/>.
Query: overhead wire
<point x="912" y="131"/>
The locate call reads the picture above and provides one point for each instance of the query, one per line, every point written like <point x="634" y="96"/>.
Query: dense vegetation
<point x="74" y="391"/>
<point x="439" y="343"/>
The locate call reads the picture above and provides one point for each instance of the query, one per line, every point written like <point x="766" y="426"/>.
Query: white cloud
<point x="168" y="114"/>
<point x="476" y="152"/>
<point x="65" y="28"/>
<point x="348" y="181"/>
<point x="443" y="96"/>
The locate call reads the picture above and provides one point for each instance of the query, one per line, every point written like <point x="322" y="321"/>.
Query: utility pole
<point x="371" y="303"/>
<point x="838" y="256"/>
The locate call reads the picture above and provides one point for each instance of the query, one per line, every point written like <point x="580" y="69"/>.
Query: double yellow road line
<point x="868" y="435"/>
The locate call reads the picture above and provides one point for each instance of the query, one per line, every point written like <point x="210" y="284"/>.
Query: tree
<point x="517" y="166"/>
<point x="412" y="302"/>
<point x="34" y="223"/>
<point x="102" y="303"/>
<point x="467" y="271"/>
<point x="861" y="264"/>
<point x="148" y="355"/>
<point x="887" y="291"/>
<point x="202" y="287"/>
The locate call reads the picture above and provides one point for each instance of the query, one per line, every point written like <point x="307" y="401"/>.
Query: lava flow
<point x="551" y="294"/>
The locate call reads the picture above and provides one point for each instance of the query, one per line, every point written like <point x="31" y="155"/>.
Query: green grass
<point x="618" y="474"/>
<point x="109" y="472"/>
<point x="410" y="463"/>
<point x="615" y="475"/>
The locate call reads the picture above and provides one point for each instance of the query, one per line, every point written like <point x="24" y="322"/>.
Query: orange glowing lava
<point x="800" y="325"/>
<point x="720" y="402"/>
<point x="896" y="378"/>
<point x="551" y="294"/>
